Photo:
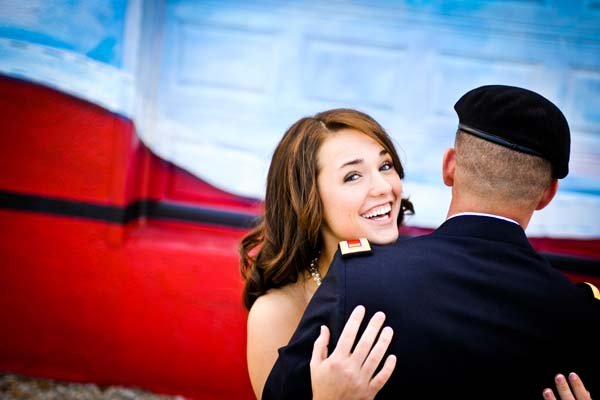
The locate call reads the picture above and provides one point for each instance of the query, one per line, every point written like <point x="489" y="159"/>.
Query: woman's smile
<point x="380" y="213"/>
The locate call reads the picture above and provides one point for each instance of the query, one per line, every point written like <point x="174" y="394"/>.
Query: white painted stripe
<point x="69" y="72"/>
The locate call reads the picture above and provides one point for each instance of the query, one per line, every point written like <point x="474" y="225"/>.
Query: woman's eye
<point x="351" y="177"/>
<point x="386" y="166"/>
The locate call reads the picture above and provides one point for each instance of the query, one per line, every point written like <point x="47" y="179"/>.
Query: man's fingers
<point x="562" y="387"/>
<point x="382" y="377"/>
<point x="576" y="391"/>
<point x="348" y="335"/>
<point x="362" y="349"/>
<point x="549" y="394"/>
<point x="377" y="353"/>
<point x="578" y="388"/>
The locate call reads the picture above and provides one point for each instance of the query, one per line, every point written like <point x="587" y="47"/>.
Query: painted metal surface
<point x="148" y="302"/>
<point x="212" y="86"/>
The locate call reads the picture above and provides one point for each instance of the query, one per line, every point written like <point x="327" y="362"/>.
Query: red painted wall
<point x="154" y="304"/>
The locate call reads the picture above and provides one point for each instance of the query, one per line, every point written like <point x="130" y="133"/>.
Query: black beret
<point x="519" y="119"/>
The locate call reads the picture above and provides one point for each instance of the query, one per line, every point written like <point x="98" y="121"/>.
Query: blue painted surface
<point x="94" y="28"/>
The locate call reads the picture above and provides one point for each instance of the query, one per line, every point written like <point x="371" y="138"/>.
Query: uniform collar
<point x="484" y="227"/>
<point x="483" y="215"/>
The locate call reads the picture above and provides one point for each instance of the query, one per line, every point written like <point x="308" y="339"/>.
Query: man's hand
<point x="575" y="392"/>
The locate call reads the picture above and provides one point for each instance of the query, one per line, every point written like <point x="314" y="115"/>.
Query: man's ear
<point x="448" y="166"/>
<point x="548" y="194"/>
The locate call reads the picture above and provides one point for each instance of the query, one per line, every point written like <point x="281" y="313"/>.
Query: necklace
<point x="314" y="271"/>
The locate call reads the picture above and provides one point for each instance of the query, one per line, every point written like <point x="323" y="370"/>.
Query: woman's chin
<point x="382" y="238"/>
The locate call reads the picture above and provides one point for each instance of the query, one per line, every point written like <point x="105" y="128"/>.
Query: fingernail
<point x="560" y="379"/>
<point x="389" y="329"/>
<point x="322" y="328"/>
<point x="573" y="376"/>
<point x="547" y="393"/>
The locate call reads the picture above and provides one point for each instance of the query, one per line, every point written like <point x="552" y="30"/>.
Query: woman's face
<point x="360" y="189"/>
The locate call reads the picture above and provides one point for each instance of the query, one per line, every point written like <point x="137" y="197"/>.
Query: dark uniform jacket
<point x="476" y="313"/>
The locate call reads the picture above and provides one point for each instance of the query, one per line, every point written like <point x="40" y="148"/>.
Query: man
<point x="476" y="312"/>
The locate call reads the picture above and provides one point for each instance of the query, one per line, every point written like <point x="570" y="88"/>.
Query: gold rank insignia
<point x="355" y="246"/>
<point x="594" y="289"/>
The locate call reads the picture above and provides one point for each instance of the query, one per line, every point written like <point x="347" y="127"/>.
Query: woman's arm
<point x="350" y="375"/>
<point x="271" y="323"/>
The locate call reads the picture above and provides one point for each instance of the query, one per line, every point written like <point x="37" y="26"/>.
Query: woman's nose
<point x="380" y="185"/>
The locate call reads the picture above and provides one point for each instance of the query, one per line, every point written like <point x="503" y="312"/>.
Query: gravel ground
<point x="15" y="387"/>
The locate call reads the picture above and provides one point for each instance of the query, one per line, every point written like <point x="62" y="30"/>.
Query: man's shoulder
<point x="401" y="248"/>
<point x="406" y="259"/>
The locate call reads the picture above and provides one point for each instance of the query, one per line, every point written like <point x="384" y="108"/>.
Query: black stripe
<point x="201" y="215"/>
<point x="204" y="215"/>
<point x="499" y="140"/>
<point x="69" y="208"/>
<point x="123" y="215"/>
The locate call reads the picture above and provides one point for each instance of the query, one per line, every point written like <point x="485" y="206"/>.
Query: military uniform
<point x="476" y="313"/>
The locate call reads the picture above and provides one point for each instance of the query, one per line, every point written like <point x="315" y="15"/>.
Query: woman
<point x="333" y="177"/>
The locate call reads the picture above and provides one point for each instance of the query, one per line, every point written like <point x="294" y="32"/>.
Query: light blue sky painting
<point x="94" y="28"/>
<point x="213" y="85"/>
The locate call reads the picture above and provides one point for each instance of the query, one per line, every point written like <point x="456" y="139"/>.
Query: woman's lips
<point x="377" y="211"/>
<point x="380" y="214"/>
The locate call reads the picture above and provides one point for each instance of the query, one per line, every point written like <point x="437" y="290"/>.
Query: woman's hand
<point x="346" y="374"/>
<point x="576" y="392"/>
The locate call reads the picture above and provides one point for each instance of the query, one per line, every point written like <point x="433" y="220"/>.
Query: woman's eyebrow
<point x="360" y="160"/>
<point x="353" y="162"/>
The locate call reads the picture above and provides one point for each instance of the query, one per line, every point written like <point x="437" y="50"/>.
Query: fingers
<point x="320" y="347"/>
<point x="384" y="375"/>
<point x="361" y="351"/>
<point x="349" y="374"/>
<point x="578" y="388"/>
<point x="576" y="391"/>
<point x="348" y="336"/>
<point x="562" y="387"/>
<point x="377" y="353"/>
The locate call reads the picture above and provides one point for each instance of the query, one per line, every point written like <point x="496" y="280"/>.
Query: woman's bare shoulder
<point x="271" y="323"/>
<point x="277" y="307"/>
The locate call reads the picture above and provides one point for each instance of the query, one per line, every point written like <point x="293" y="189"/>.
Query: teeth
<point x="377" y="211"/>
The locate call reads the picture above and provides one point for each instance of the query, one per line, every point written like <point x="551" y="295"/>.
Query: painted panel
<point x="215" y="84"/>
<point x="226" y="58"/>
<point x="405" y="63"/>
<point x="58" y="24"/>
<point x="457" y="74"/>
<point x="363" y="74"/>
<point x="584" y="98"/>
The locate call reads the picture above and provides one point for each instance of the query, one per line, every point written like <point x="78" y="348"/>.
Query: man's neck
<point x="479" y="214"/>
<point x="459" y="207"/>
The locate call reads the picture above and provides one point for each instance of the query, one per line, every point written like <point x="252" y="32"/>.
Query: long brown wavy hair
<point x="288" y="237"/>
